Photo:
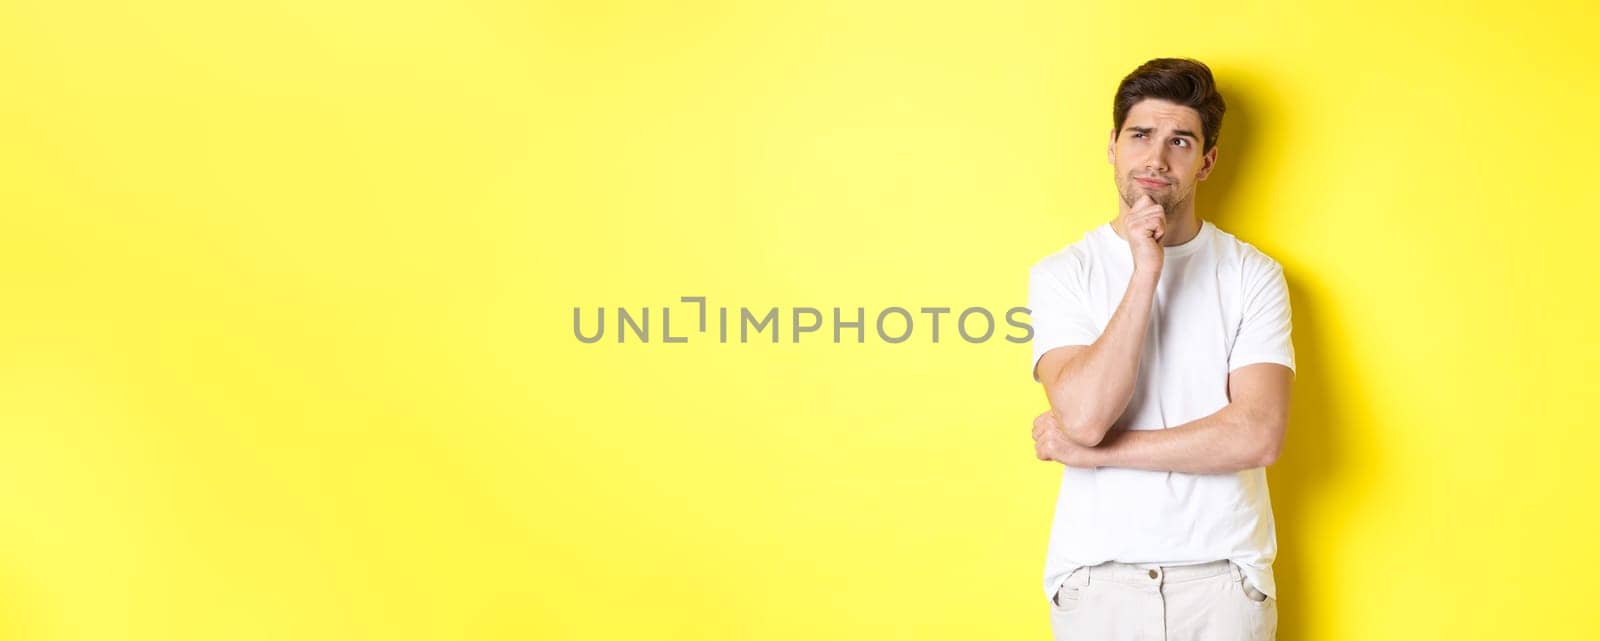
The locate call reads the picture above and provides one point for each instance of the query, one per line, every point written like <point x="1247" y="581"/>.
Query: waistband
<point x="1152" y="575"/>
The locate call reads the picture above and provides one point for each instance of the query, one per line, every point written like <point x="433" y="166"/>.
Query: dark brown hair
<point x="1184" y="81"/>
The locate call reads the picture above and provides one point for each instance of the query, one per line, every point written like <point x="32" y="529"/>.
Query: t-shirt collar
<point x="1176" y="251"/>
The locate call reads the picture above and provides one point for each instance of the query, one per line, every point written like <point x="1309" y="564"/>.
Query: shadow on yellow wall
<point x="1315" y="449"/>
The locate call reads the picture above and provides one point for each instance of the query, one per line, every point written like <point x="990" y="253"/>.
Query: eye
<point x="1138" y="134"/>
<point x="1182" y="142"/>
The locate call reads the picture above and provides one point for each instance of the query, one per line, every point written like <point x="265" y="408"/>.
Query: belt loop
<point x="1233" y="570"/>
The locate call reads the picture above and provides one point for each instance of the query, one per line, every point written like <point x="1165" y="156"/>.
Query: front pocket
<point x="1068" y="597"/>
<point x="1251" y="594"/>
<point x="1070" y="594"/>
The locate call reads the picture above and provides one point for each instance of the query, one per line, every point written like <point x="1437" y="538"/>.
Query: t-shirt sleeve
<point x="1058" y="309"/>
<point x="1265" y="325"/>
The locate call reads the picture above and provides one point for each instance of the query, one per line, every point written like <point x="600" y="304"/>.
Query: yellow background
<point x="287" y="348"/>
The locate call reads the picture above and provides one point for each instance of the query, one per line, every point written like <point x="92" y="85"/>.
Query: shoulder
<point x="1251" y="261"/>
<point x="1072" y="259"/>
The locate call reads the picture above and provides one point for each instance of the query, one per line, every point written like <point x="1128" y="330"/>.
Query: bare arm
<point x="1089" y="387"/>
<point x="1247" y="433"/>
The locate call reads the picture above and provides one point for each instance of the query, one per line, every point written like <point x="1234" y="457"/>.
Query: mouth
<point x="1151" y="182"/>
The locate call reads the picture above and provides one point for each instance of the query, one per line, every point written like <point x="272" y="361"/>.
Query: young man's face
<point x="1158" y="153"/>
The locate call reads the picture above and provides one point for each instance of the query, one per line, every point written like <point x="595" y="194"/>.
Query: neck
<point x="1182" y="224"/>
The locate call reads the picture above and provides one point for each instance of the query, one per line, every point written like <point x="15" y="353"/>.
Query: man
<point x="1162" y="343"/>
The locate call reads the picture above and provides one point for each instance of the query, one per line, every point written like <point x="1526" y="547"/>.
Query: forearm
<point x="1093" y="390"/>
<point x="1228" y="440"/>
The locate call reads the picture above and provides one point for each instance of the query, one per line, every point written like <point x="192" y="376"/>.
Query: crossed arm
<point x="1089" y="387"/>
<point x="1246" y="433"/>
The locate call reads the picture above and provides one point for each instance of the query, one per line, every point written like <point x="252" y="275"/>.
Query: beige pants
<point x="1149" y="602"/>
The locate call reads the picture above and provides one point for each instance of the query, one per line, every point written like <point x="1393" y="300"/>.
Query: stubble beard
<point x="1168" y="199"/>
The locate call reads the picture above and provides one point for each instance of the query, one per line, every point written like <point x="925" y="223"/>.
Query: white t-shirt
<point x="1221" y="304"/>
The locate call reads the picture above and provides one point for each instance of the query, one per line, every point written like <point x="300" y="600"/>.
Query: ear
<point x="1208" y="162"/>
<point x="1111" y="149"/>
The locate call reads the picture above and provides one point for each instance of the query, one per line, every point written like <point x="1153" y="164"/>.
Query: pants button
<point x="1152" y="574"/>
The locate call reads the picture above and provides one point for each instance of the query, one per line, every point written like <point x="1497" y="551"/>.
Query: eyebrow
<point x="1176" y="132"/>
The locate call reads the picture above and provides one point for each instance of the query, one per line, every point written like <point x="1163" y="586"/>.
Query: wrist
<point x="1147" y="273"/>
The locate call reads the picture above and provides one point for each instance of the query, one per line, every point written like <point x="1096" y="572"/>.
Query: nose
<point x="1157" y="160"/>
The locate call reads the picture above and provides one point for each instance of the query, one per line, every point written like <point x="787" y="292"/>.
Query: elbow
<point x="1086" y="437"/>
<point x="1268" y="455"/>
<point x="1269" y="442"/>
<point x="1085" y="433"/>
